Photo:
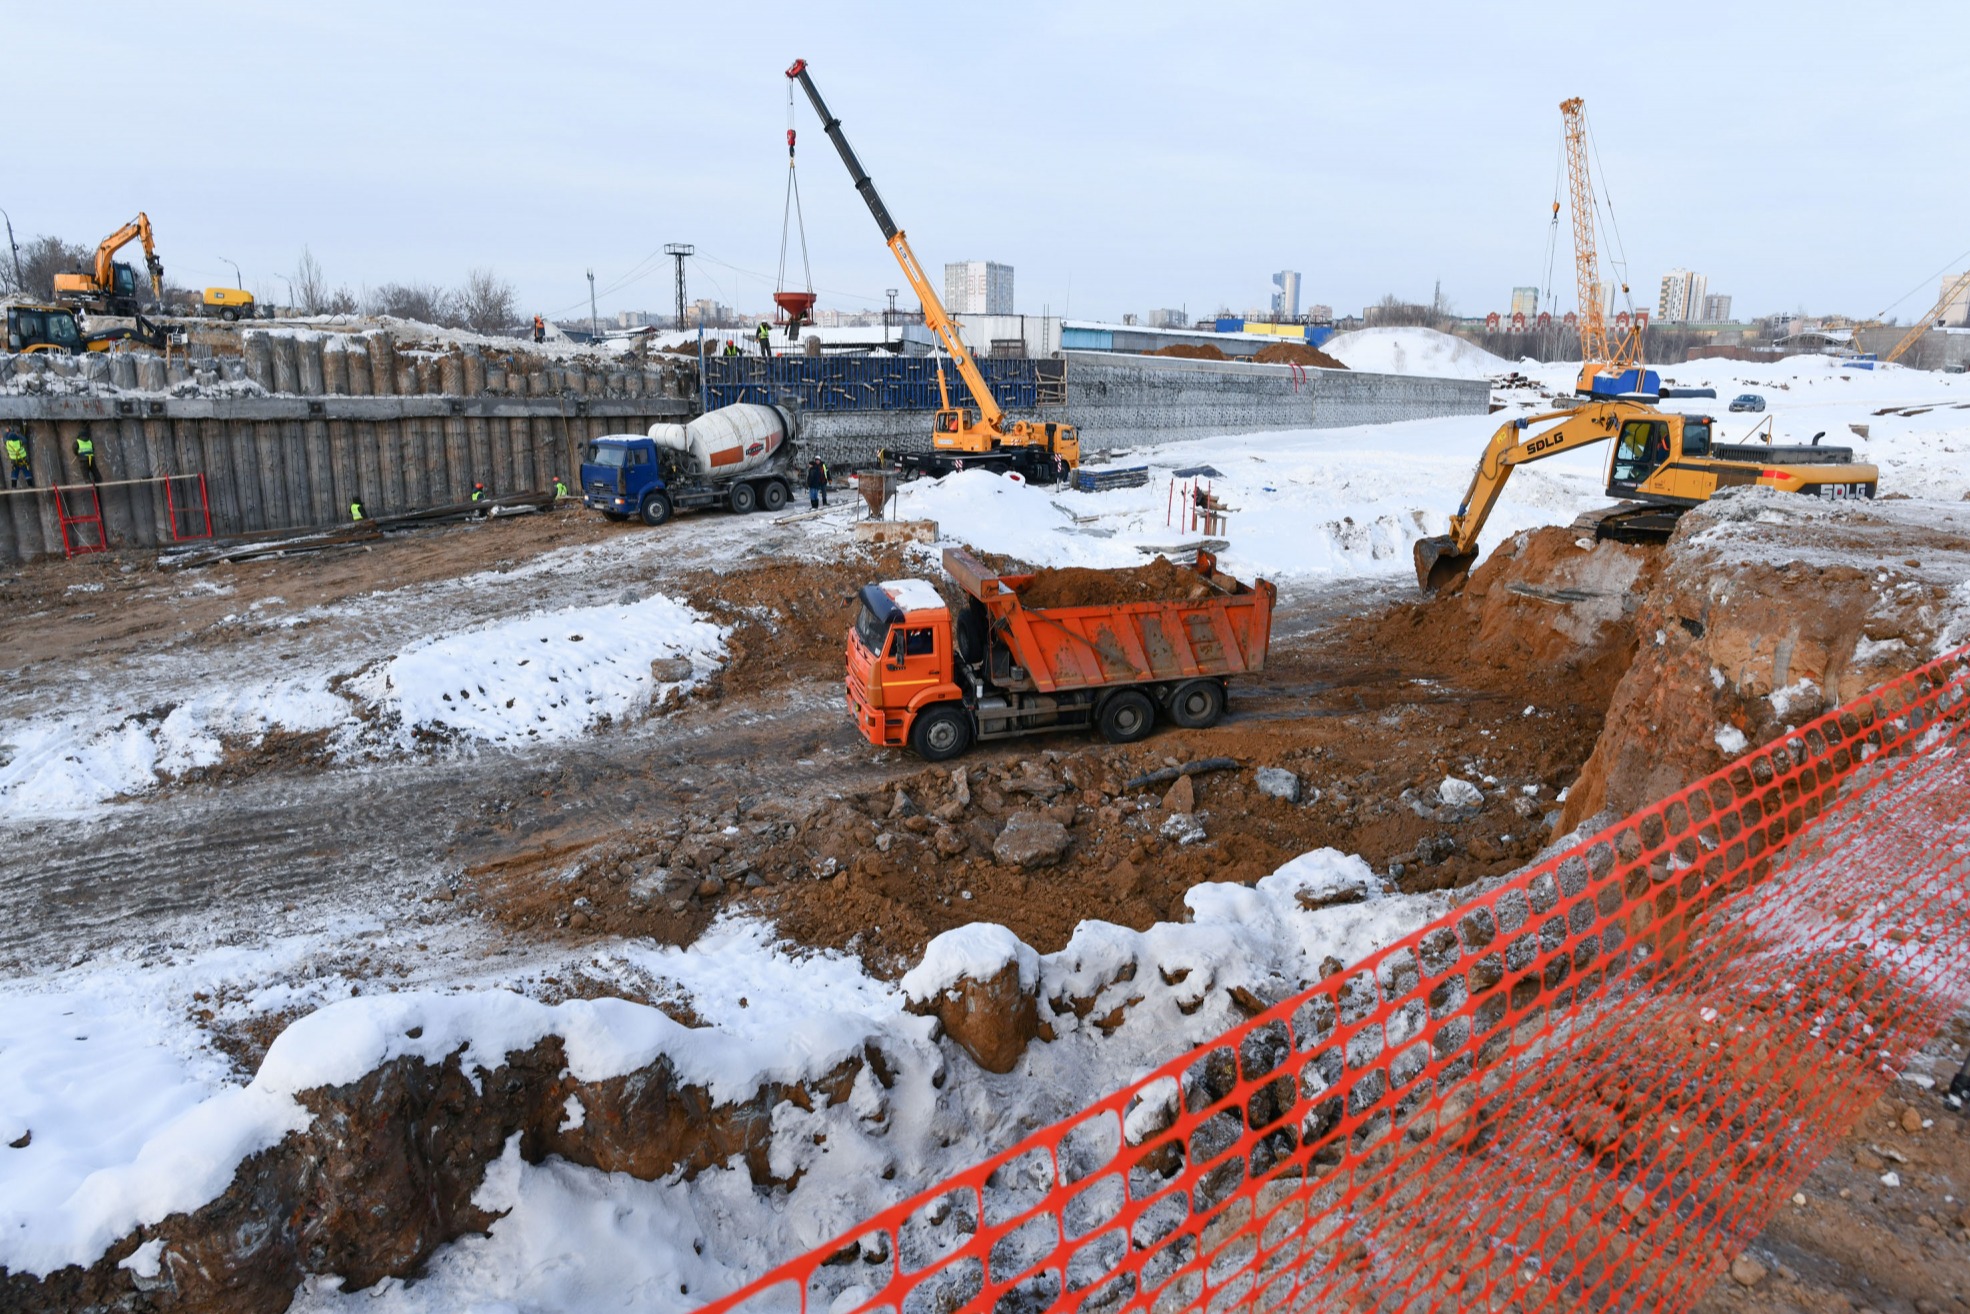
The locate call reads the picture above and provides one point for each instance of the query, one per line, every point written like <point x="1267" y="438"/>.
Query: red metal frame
<point x="1585" y="1088"/>
<point x="201" y="510"/>
<point x="73" y="544"/>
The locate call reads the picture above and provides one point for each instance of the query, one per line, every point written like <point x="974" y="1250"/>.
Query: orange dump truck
<point x="922" y="675"/>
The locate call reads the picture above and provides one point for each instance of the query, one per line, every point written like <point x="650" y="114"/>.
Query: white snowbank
<point x="979" y="952"/>
<point x="1414" y="351"/>
<point x="547" y="676"/>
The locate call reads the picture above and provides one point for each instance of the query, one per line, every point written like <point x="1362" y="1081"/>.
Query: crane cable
<point x="1618" y="259"/>
<point x="1551" y="297"/>
<point x="1939" y="274"/>
<point x="790" y="212"/>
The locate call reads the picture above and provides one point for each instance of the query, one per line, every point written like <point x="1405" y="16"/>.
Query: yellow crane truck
<point x="1662" y="464"/>
<point x="1041" y="451"/>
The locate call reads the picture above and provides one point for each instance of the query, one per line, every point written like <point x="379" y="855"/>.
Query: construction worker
<point x="85" y="455"/>
<point x="478" y="492"/>
<point x="560" y="488"/>
<point x="765" y="336"/>
<point x="356" y="511"/>
<point x="817" y="483"/>
<point x="731" y="348"/>
<point x="540" y="329"/>
<point x="827" y="477"/>
<point x="19" y="472"/>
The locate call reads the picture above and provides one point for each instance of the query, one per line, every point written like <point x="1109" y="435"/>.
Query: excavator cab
<point x="42" y="328"/>
<point x="1640" y="450"/>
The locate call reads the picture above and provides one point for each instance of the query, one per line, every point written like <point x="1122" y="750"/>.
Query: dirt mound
<point x="788" y="618"/>
<point x="1298" y="353"/>
<point x="1162" y="580"/>
<point x="1199" y="351"/>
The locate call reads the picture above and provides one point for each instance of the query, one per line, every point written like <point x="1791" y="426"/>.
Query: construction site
<point x="502" y="823"/>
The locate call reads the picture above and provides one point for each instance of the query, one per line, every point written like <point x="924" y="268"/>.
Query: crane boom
<point x="1922" y="326"/>
<point x="1601" y="352"/>
<point x="934" y="314"/>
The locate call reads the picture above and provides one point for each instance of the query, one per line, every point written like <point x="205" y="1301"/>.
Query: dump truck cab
<point x="902" y="657"/>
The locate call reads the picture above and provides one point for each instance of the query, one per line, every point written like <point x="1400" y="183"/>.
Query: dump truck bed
<point x="1223" y="633"/>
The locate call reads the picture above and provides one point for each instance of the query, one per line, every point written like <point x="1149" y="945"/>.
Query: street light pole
<point x="594" y="334"/>
<point x="888" y="316"/>
<point x="20" y="280"/>
<point x="239" y="280"/>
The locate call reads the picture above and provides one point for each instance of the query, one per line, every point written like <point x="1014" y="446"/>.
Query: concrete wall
<point x="291" y="456"/>
<point x="1129" y="401"/>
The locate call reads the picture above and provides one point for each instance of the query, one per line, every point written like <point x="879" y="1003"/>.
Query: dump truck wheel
<point x="1198" y="704"/>
<point x="1127" y="717"/>
<point x="655" y="509"/>
<point x="772" y="495"/>
<point x="940" y="733"/>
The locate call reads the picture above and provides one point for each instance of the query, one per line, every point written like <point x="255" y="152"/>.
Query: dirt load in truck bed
<point x="1162" y="580"/>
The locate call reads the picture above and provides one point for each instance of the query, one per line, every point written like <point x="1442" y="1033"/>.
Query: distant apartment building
<point x="1717" y="308"/>
<point x="1286" y="301"/>
<point x="1682" y="297"/>
<point x="1168" y="319"/>
<point x="1525" y="301"/>
<point x="1956" y="312"/>
<point x="630" y="319"/>
<point x="978" y="287"/>
<point x="1320" y="314"/>
<point x="707" y="312"/>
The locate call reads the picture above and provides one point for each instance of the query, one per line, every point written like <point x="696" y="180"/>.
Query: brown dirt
<point x="789" y="619"/>
<point x="1199" y="351"/>
<point x="1162" y="580"/>
<point x="1297" y="353"/>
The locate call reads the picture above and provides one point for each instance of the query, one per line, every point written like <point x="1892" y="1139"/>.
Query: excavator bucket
<point x="1439" y="564"/>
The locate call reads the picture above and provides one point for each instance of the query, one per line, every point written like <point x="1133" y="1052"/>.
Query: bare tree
<point x="309" y="285"/>
<point x="340" y="302"/>
<point x="43" y="258"/>
<point x="425" y="302"/>
<point x="485" y="303"/>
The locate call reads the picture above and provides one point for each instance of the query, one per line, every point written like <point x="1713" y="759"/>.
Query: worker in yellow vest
<point x="19" y="472"/>
<point x="560" y="488"/>
<point x="85" y="455"/>
<point x="356" y="509"/>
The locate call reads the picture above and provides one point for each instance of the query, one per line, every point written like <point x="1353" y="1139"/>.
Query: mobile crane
<point x="1662" y="462"/>
<point x="960" y="437"/>
<point x="110" y="288"/>
<point x="1610" y="362"/>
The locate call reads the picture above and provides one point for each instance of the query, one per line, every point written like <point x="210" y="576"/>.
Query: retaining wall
<point x="1124" y="401"/>
<point x="290" y="432"/>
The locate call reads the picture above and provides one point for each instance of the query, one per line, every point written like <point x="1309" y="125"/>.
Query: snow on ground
<point x="1414" y="351"/>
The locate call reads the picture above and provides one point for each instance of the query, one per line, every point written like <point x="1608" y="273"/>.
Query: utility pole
<point x="20" y="280"/>
<point x="888" y="316"/>
<point x="677" y="251"/>
<point x="594" y="333"/>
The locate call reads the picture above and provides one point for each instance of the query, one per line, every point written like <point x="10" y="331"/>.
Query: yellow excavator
<point x="36" y="326"/>
<point x="960" y="437"/>
<point x="1662" y="464"/>
<point x="110" y="287"/>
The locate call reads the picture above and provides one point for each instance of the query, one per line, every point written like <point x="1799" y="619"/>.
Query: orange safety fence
<point x="1585" y="1087"/>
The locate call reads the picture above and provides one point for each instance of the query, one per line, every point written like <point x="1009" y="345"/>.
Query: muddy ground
<point x="758" y="794"/>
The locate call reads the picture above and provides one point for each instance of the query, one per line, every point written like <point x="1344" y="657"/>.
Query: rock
<point x="1031" y="840"/>
<point x="902" y="806"/>
<point x="1911" y="1121"/>
<point x="961" y="785"/>
<point x="1526" y="808"/>
<point x="1746" y="1271"/>
<point x="949" y="811"/>
<point x="650" y="886"/>
<point x="991" y="1009"/>
<point x="1062" y="812"/>
<point x="670" y="670"/>
<point x="1868" y="1161"/>
<point x="1127" y="879"/>
<point x="1183" y="827"/>
<point x="883" y="841"/>
<point x="710" y="887"/>
<point x="1277" y="782"/>
<point x="1182" y="796"/>
<point x="1634" y="1199"/>
<point x="1457" y="793"/>
<point x="755" y="881"/>
<point x="950" y="843"/>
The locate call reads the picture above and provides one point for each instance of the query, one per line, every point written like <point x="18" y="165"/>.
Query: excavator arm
<point x="116" y="241"/>
<point x="1444" y="559"/>
<point x="934" y="314"/>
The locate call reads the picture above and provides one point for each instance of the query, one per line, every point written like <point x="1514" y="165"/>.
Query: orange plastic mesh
<point x="1585" y="1088"/>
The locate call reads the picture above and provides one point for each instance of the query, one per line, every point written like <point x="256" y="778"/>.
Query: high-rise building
<point x="1320" y="314"/>
<point x="1717" y="308"/>
<point x="1286" y="301"/>
<point x="1168" y="319"/>
<point x="1525" y="301"/>
<point x="1682" y="296"/>
<point x="1956" y="314"/>
<point x="978" y="287"/>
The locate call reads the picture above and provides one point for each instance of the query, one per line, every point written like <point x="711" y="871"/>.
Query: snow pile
<point x="977" y="952"/>
<point x="1414" y="351"/>
<point x="66" y="764"/>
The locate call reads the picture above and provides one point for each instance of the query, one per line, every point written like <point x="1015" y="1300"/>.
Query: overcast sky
<point x="1121" y="157"/>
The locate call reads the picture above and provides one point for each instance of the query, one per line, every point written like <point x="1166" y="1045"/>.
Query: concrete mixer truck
<point x="738" y="457"/>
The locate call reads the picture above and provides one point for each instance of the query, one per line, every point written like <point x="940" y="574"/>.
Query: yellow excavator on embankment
<point x="1662" y="464"/>
<point x="109" y="287"/>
